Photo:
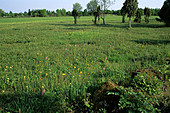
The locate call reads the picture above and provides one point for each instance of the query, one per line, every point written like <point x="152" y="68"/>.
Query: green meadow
<point x="49" y="64"/>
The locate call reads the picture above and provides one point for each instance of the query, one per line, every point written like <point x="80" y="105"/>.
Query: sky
<point x="17" y="6"/>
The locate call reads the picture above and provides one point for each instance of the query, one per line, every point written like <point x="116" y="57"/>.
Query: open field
<point x="48" y="64"/>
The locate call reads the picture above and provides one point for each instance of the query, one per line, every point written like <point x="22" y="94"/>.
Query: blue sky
<point x="24" y="5"/>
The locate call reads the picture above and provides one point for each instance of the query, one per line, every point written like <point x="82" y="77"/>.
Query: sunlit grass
<point x="64" y="59"/>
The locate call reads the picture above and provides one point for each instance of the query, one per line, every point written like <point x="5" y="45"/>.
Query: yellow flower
<point x="42" y="86"/>
<point x="80" y="72"/>
<point x="74" y="66"/>
<point x="63" y="74"/>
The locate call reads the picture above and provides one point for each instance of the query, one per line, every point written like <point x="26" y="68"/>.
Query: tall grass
<point x="63" y="60"/>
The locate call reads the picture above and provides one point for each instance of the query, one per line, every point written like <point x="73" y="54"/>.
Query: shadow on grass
<point x="148" y="25"/>
<point x="72" y="28"/>
<point x="114" y="24"/>
<point x="89" y="25"/>
<point x="151" y="42"/>
<point x="29" y="103"/>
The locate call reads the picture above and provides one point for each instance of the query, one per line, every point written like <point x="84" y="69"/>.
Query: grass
<point x="68" y="60"/>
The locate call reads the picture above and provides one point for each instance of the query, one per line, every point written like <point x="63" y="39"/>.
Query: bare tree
<point x="105" y="4"/>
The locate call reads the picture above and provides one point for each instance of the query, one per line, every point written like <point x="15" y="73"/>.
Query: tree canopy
<point x="92" y="6"/>
<point x="164" y="13"/>
<point x="77" y="6"/>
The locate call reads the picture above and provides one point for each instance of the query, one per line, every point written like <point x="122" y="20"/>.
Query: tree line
<point x="63" y="12"/>
<point x="99" y="8"/>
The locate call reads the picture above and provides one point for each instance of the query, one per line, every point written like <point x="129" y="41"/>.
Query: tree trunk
<point x="95" y="20"/>
<point x="123" y="19"/>
<point x="103" y="20"/>
<point x="75" y="20"/>
<point x="130" y="22"/>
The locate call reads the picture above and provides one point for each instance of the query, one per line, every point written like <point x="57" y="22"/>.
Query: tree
<point x="105" y="4"/>
<point x="58" y="12"/>
<point x="11" y="14"/>
<point x="75" y="15"/>
<point x="2" y="13"/>
<point x="130" y="8"/>
<point x="85" y="13"/>
<point x="147" y="14"/>
<point x="92" y="6"/>
<point x="77" y="6"/>
<point x="68" y="13"/>
<point x="42" y="13"/>
<point x="96" y="15"/>
<point x="63" y="12"/>
<point x="138" y="16"/>
<point x="25" y="14"/>
<point x="29" y="12"/>
<point x="123" y="13"/>
<point x="164" y="13"/>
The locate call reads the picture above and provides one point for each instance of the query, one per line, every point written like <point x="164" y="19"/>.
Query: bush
<point x="142" y="96"/>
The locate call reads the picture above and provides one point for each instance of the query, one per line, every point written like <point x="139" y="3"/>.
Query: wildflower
<point x="74" y="67"/>
<point x="95" y="59"/>
<point x="3" y="91"/>
<point x="65" y="48"/>
<point x="45" y="57"/>
<point x="55" y="92"/>
<point x="63" y="74"/>
<point x="43" y="92"/>
<point x="80" y="72"/>
<point x="104" y="69"/>
<point x="7" y="79"/>
<point x="106" y="58"/>
<point x="42" y="86"/>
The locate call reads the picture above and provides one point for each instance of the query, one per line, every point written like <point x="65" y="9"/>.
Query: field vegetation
<point x="49" y="64"/>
